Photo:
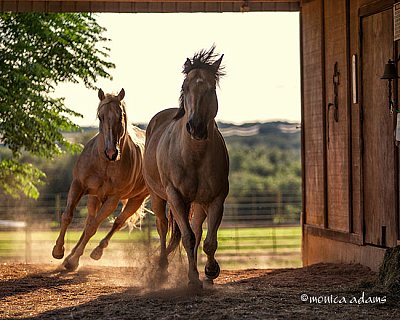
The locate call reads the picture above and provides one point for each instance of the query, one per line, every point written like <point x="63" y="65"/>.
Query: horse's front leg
<point x="198" y="218"/>
<point x="214" y="217"/>
<point x="131" y="207"/>
<point x="92" y="223"/>
<point x="74" y="195"/>
<point x="93" y="205"/>
<point x="181" y="215"/>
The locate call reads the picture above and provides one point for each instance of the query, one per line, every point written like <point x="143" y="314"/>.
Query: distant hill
<point x="280" y="134"/>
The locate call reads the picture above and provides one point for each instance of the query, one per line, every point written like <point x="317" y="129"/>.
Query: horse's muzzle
<point x="111" y="154"/>
<point x="197" y="131"/>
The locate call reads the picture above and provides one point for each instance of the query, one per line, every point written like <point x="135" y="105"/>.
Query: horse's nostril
<point x="115" y="155"/>
<point x="111" y="154"/>
<point x="188" y="127"/>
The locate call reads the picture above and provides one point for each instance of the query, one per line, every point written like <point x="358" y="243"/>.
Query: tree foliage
<point x="38" y="51"/>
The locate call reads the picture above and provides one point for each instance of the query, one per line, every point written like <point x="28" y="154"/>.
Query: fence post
<point x="28" y="243"/>
<point x="236" y="232"/>
<point x="274" y="240"/>
<point x="58" y="207"/>
<point x="28" y="237"/>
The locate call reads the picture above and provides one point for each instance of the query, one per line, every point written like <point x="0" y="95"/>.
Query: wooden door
<point x="379" y="182"/>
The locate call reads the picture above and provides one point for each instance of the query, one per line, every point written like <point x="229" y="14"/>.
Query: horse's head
<point x="112" y="116"/>
<point x="198" y="99"/>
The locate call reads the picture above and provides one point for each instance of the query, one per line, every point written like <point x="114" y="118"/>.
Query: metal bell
<point x="390" y="70"/>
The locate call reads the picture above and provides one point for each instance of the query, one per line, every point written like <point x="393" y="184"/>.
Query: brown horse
<point x="186" y="165"/>
<point x="109" y="170"/>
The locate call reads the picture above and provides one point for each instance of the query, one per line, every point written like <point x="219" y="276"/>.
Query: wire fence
<point x="257" y="231"/>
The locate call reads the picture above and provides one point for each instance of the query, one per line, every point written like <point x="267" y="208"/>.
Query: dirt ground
<point x="330" y="292"/>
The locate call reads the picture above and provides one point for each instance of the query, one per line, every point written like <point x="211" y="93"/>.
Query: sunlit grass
<point x="271" y="247"/>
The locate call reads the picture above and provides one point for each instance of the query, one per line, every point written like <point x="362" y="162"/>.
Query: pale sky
<point x="261" y="58"/>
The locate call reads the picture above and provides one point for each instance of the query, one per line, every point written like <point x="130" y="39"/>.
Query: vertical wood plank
<point x="313" y="105"/>
<point x="337" y="131"/>
<point x="357" y="220"/>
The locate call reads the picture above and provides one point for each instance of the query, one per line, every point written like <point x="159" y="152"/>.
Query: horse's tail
<point x="175" y="233"/>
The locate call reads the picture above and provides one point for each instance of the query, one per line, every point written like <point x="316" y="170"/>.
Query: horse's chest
<point x="194" y="185"/>
<point x="106" y="183"/>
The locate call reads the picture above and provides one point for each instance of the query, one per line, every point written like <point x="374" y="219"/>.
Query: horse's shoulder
<point x="160" y="121"/>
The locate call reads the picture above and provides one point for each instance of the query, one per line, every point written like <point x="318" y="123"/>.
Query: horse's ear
<point x="217" y="63"/>
<point x="101" y="95"/>
<point x="121" y="94"/>
<point x="187" y="66"/>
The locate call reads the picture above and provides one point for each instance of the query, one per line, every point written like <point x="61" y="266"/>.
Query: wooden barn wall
<point x="313" y="124"/>
<point x="333" y="149"/>
<point x="138" y="6"/>
<point x="336" y="228"/>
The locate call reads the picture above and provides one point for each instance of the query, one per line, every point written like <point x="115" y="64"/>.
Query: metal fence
<point x="257" y="231"/>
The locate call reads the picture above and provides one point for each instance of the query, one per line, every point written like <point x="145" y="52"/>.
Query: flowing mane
<point x="205" y="59"/>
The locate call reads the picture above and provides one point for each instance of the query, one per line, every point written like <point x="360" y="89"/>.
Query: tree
<point x="38" y="51"/>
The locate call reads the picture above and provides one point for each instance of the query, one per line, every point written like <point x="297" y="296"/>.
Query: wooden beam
<point x="333" y="234"/>
<point x="190" y="1"/>
<point x="139" y="6"/>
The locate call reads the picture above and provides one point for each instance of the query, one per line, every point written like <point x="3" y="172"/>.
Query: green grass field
<point x="238" y="248"/>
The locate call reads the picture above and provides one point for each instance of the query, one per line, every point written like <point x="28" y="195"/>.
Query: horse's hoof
<point x="212" y="273"/>
<point x="208" y="282"/>
<point x="96" y="253"/>
<point x="163" y="263"/>
<point x="57" y="253"/>
<point x="70" y="266"/>
<point x="195" y="284"/>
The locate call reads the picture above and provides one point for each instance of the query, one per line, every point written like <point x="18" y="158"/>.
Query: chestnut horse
<point x="108" y="170"/>
<point x="186" y="165"/>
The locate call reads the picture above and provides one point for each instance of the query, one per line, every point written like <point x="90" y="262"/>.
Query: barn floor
<point x="43" y="292"/>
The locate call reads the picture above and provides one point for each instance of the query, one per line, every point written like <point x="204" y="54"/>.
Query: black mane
<point x="205" y="59"/>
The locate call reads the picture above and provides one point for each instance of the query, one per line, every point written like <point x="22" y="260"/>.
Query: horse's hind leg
<point x="181" y="214"/>
<point x="214" y="217"/>
<point x="74" y="195"/>
<point x="158" y="206"/>
<point x="129" y="209"/>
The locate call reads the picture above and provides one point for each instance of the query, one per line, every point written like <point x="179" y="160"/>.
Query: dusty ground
<point x="43" y="292"/>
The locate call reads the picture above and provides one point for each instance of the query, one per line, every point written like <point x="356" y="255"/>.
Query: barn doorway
<point x="259" y="114"/>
